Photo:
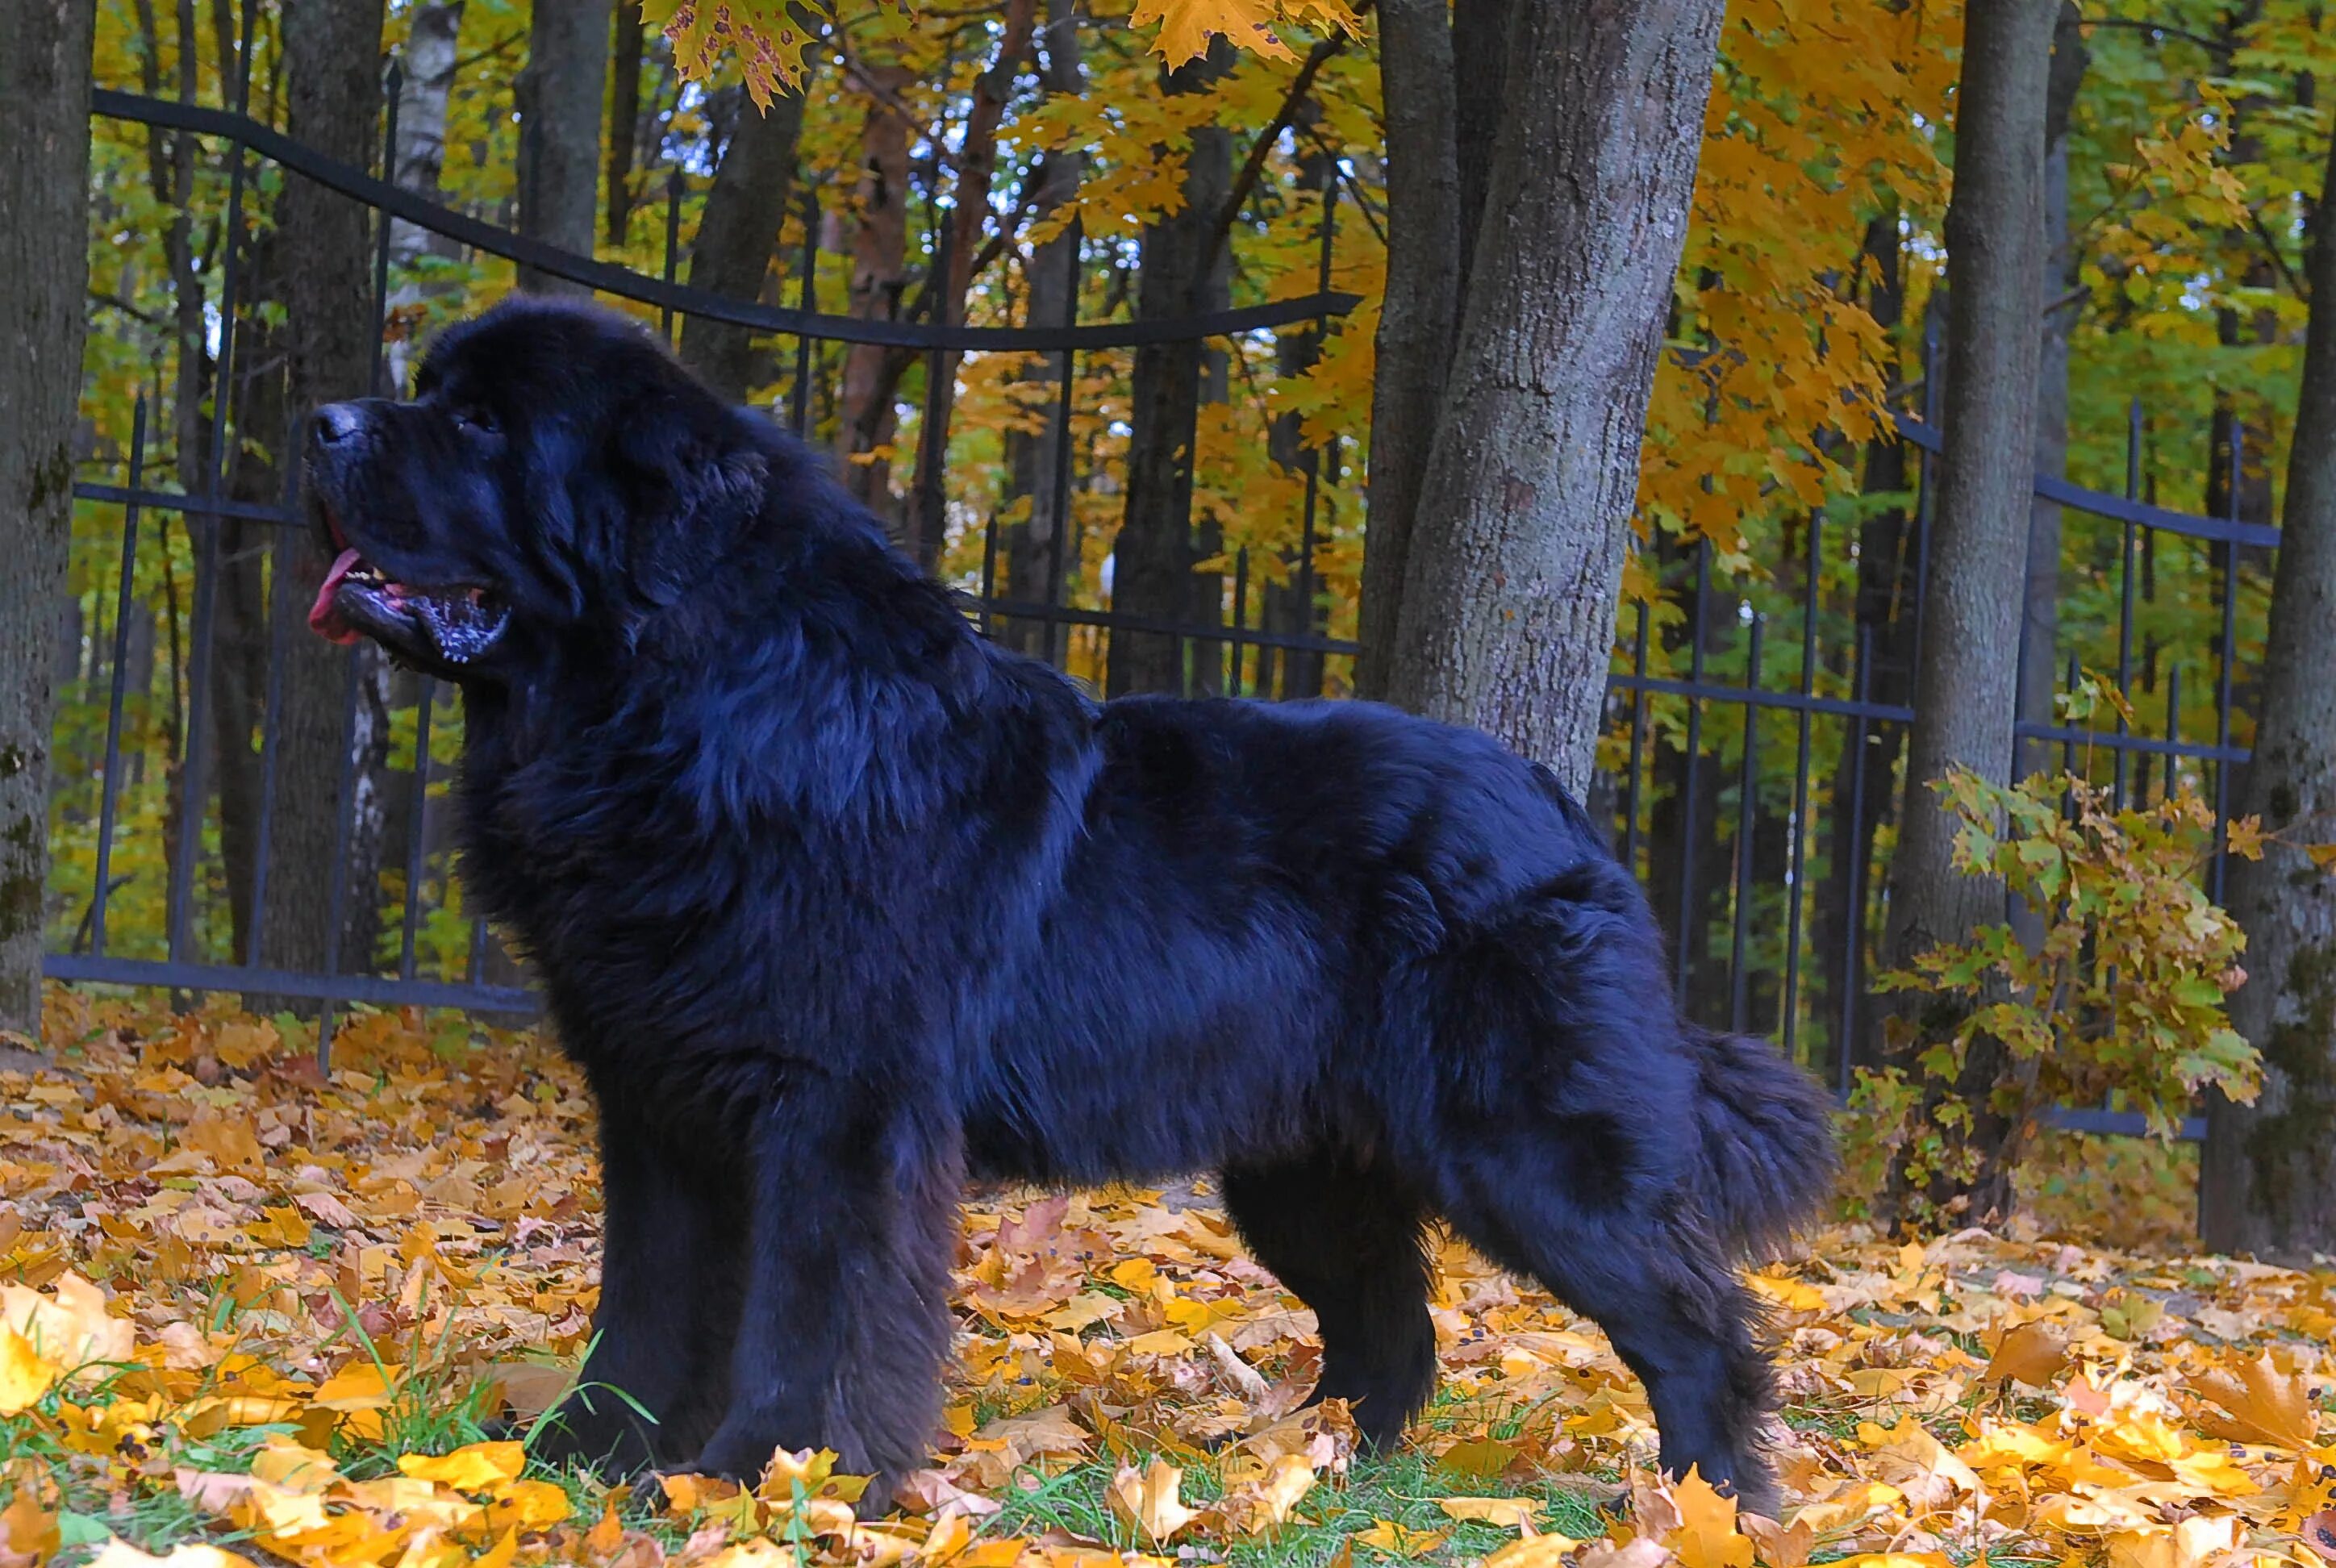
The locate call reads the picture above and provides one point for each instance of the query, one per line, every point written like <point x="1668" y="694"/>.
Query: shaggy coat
<point x="839" y="905"/>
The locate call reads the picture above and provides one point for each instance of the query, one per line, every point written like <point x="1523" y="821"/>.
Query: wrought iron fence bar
<point x="110" y="790"/>
<point x="281" y="607"/>
<point x="608" y="278"/>
<point x="1122" y="620"/>
<point x="1747" y="790"/>
<point x="2128" y="1124"/>
<point x="180" y="500"/>
<point x="2116" y="508"/>
<point x="2126" y="583"/>
<point x="1706" y="690"/>
<point x="193" y="788"/>
<point x="418" y="801"/>
<point x="371" y="990"/>
<point x="1854" y="918"/>
<point x="1638" y="740"/>
<point x="1796" y="890"/>
<point x="1688" y="944"/>
<point x="2111" y="740"/>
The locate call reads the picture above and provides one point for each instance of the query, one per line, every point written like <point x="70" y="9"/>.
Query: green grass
<point x="1402" y="1487"/>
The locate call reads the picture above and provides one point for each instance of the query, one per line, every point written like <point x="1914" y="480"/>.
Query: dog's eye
<point x="477" y="419"/>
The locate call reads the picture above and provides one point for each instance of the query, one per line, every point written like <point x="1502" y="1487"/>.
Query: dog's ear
<point x="691" y="479"/>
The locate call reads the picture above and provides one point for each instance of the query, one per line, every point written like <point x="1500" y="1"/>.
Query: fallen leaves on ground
<point x="252" y="1311"/>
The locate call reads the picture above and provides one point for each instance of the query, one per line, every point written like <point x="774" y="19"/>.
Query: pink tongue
<point x="323" y="618"/>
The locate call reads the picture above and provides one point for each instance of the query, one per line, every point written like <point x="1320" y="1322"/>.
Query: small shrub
<point x="2122" y="998"/>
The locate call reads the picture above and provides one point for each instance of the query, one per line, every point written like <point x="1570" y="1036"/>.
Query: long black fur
<point x="839" y="905"/>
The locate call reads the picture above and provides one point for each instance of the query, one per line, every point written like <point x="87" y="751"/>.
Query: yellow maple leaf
<point x="1708" y="1537"/>
<point x="2261" y="1404"/>
<point x="24" y="1374"/>
<point x="474" y="1468"/>
<point x="1400" y="1540"/>
<point x="119" y="1553"/>
<point x="1508" y="1512"/>
<point x="1186" y="25"/>
<point x="1149" y="1500"/>
<point x="2031" y="1353"/>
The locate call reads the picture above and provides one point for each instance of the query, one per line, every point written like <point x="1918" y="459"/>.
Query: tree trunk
<point x="969" y="211"/>
<point x="880" y="247"/>
<point x="1507" y="613"/>
<point x="1052" y="280"/>
<point x="1477" y="59"/>
<point x="44" y="90"/>
<point x="1967" y="685"/>
<point x="1863" y="801"/>
<point x="736" y="236"/>
<point x="1420" y="305"/>
<point x="1153" y="558"/>
<point x="2267" y="1181"/>
<point x="332" y="51"/>
<point x="559" y="93"/>
<point x="2039" y="662"/>
<point x="624" y="109"/>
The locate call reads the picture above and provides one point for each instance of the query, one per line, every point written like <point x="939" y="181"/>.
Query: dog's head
<point x="556" y="475"/>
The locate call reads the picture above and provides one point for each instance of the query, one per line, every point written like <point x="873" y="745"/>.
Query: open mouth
<point x="458" y="624"/>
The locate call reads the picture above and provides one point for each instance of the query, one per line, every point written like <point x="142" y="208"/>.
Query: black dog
<point x="838" y="904"/>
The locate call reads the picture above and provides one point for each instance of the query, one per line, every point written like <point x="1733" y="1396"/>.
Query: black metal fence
<point x="1748" y="776"/>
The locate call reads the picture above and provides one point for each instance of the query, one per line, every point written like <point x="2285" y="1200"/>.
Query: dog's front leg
<point x="846" y="1313"/>
<point x="657" y="1376"/>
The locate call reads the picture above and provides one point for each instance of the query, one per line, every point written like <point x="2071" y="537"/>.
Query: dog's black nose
<point x="335" y="423"/>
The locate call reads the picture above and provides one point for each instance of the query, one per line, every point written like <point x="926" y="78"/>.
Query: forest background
<point x="1025" y="162"/>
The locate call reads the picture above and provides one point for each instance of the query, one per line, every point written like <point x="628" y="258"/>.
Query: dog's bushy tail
<point x="1765" y="1141"/>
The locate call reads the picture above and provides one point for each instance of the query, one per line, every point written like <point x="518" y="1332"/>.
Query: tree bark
<point x="1508" y="602"/>
<point x="2039" y="663"/>
<point x="736" y="236"/>
<point x="332" y="54"/>
<point x="1418" y="310"/>
<point x="45" y="94"/>
<point x="626" y="53"/>
<point x="970" y="212"/>
<point x="1967" y="685"/>
<point x="2267" y="1181"/>
<point x="559" y="93"/>
<point x="1477" y="58"/>
<point x="1153" y="558"/>
<point x="880" y="247"/>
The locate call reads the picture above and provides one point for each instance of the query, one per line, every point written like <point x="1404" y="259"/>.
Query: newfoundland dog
<point x="840" y="906"/>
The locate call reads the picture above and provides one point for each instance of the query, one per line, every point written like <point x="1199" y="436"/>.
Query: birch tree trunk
<point x="44" y="90"/>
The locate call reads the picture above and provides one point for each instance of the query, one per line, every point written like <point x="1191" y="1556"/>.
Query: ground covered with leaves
<point x="254" y="1311"/>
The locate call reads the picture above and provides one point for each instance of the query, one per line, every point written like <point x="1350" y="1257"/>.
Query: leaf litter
<point x="254" y="1312"/>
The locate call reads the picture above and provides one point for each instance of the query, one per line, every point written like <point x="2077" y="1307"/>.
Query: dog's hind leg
<point x="1663" y="1291"/>
<point x="1346" y="1240"/>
